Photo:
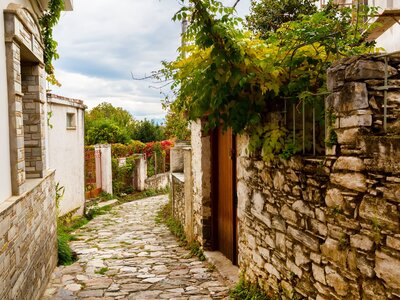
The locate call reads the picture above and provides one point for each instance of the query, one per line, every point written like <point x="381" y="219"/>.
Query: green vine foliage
<point x="47" y="23"/>
<point x="229" y="76"/>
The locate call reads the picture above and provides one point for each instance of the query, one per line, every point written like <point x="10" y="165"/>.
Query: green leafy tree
<point x="177" y="126"/>
<point x="267" y="16"/>
<point x="233" y="77"/>
<point x="148" y="131"/>
<point x="105" y="131"/>
<point x="108" y="124"/>
<point x="47" y="23"/>
<point x="107" y="111"/>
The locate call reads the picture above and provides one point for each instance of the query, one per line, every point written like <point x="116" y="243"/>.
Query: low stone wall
<point x="329" y="228"/>
<point x="178" y="196"/>
<point x="28" y="240"/>
<point x="200" y="175"/>
<point x="182" y="190"/>
<point x="158" y="182"/>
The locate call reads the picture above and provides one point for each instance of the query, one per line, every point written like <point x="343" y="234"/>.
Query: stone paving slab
<point x="126" y="255"/>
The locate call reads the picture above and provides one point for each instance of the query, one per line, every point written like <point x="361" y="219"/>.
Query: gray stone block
<point x="368" y="69"/>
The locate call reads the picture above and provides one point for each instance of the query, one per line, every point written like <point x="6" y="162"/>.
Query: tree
<point x="108" y="124"/>
<point x="106" y="131"/>
<point x="229" y="77"/>
<point x="118" y="115"/>
<point x="267" y="16"/>
<point x="177" y="126"/>
<point x="147" y="131"/>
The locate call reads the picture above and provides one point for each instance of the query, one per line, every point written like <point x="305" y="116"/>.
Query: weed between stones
<point x="165" y="216"/>
<point x="102" y="271"/>
<point x="247" y="291"/>
<point x="66" y="225"/>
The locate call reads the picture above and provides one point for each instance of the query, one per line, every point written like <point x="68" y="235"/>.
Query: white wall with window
<point x="66" y="149"/>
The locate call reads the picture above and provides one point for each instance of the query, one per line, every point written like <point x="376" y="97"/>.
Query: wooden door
<point x="224" y="193"/>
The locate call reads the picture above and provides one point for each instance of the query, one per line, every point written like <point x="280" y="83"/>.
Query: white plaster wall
<point x="104" y="168"/>
<point x="390" y="40"/>
<point x="5" y="171"/>
<point x="66" y="155"/>
<point x="197" y="173"/>
<point x="201" y="172"/>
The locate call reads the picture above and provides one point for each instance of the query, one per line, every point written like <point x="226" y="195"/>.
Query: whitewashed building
<point x="66" y="150"/>
<point x="387" y="33"/>
<point x="27" y="186"/>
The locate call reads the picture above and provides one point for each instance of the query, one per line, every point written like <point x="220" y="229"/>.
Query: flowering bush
<point x="121" y="150"/>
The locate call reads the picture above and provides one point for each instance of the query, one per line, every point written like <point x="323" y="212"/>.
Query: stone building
<point x="27" y="208"/>
<point x="320" y="227"/>
<point x="66" y="154"/>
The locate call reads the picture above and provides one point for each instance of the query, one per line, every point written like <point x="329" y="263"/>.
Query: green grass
<point x="65" y="254"/>
<point x="102" y="271"/>
<point x="164" y="215"/>
<point x="247" y="291"/>
<point x="68" y="224"/>
<point x="195" y="250"/>
<point x="97" y="211"/>
<point x="144" y="194"/>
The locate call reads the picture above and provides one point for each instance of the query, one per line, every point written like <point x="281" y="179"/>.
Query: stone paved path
<point x="126" y="255"/>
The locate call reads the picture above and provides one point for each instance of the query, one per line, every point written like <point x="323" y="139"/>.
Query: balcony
<point x="388" y="14"/>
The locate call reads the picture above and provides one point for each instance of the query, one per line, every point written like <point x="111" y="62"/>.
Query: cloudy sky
<point x="101" y="42"/>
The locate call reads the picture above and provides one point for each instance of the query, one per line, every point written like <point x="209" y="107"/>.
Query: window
<point x="71" y="121"/>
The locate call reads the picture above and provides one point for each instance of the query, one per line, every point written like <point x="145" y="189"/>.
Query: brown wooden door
<point x="225" y="191"/>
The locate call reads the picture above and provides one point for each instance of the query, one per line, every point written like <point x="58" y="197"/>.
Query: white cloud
<point x="120" y="93"/>
<point x="101" y="42"/>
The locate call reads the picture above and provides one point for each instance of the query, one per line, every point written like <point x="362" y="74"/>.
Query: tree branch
<point x="142" y="78"/>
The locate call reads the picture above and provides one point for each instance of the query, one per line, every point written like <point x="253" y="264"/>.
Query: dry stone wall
<point x="178" y="196"/>
<point x="28" y="241"/>
<point x="329" y="228"/>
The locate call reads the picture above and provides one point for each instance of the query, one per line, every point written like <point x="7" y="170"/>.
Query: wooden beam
<point x="385" y="20"/>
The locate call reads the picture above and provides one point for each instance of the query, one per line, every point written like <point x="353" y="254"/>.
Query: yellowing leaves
<point x="230" y="74"/>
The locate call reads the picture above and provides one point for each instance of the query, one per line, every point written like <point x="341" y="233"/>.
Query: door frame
<point x="214" y="194"/>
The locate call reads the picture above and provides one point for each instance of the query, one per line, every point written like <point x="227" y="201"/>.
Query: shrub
<point x="122" y="175"/>
<point x="65" y="255"/>
<point x="121" y="150"/>
<point x="247" y="291"/>
<point x="137" y="146"/>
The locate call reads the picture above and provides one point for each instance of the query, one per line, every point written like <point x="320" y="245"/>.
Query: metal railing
<point x="385" y="88"/>
<point x="295" y="117"/>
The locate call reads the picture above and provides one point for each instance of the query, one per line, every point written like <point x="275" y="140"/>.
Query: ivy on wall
<point x="230" y="76"/>
<point x="47" y="23"/>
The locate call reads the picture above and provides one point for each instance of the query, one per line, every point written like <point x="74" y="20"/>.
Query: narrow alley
<point x="125" y="254"/>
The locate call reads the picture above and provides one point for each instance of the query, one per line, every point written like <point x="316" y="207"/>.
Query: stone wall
<point x="26" y="85"/>
<point x="178" y="196"/>
<point x="28" y="240"/>
<point x="329" y="228"/>
<point x="201" y="174"/>
<point x="158" y="182"/>
<point x="182" y="187"/>
<point x="34" y="120"/>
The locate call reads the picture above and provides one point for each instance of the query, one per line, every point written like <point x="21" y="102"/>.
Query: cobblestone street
<point x="125" y="254"/>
